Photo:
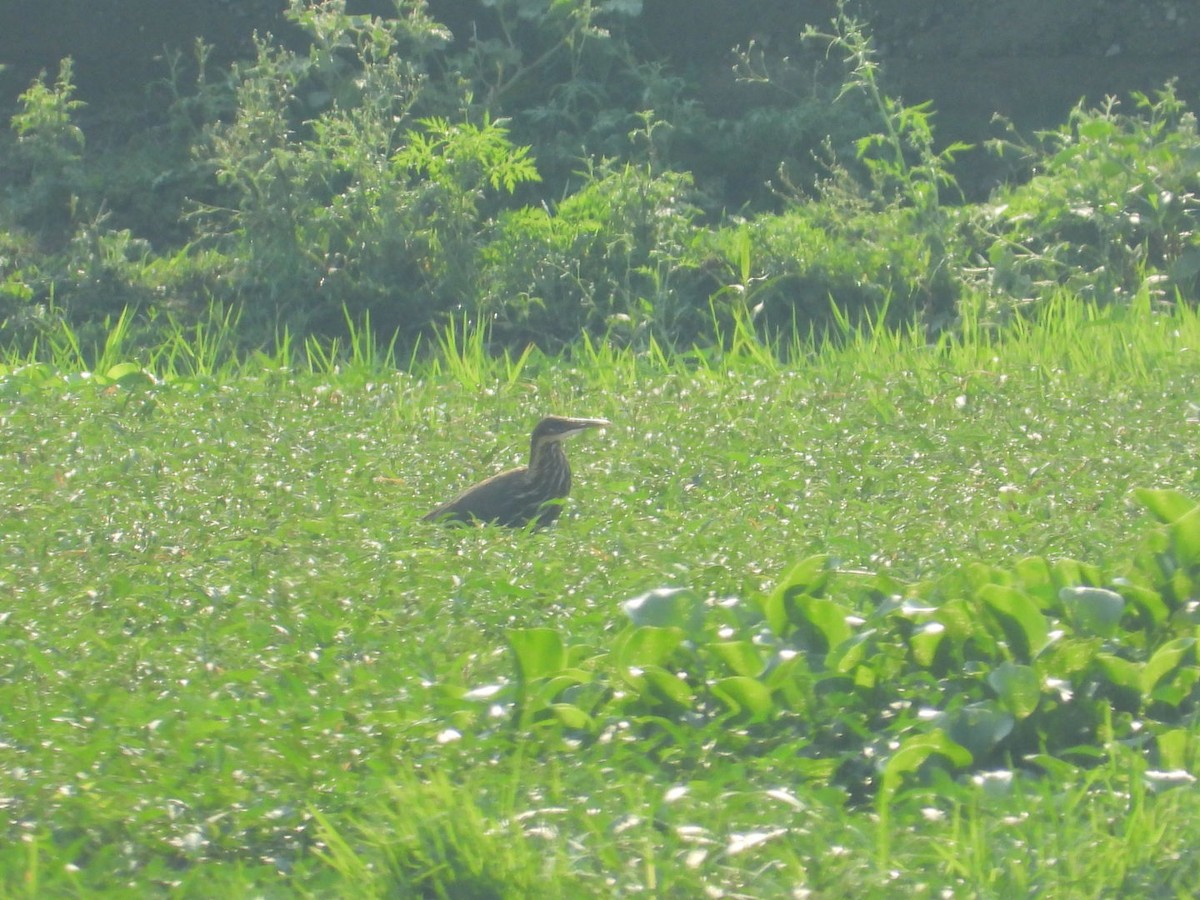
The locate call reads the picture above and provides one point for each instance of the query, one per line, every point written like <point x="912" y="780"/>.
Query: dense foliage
<point x="895" y="613"/>
<point x="542" y="181"/>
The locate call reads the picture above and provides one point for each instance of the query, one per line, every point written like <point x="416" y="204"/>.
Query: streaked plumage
<point x="535" y="491"/>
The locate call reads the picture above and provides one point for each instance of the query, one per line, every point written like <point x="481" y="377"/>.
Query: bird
<point x="527" y="493"/>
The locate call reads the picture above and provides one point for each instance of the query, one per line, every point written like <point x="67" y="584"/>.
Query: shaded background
<point x="1030" y="60"/>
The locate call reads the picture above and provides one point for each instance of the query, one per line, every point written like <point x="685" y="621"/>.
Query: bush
<point x="1113" y="205"/>
<point x="807" y="273"/>
<point x="605" y="261"/>
<point x="876" y="243"/>
<point x="59" y="257"/>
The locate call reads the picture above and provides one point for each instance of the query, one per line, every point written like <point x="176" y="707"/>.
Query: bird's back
<point x="511" y="498"/>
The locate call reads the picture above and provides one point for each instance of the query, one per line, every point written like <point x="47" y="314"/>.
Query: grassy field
<point x="233" y="662"/>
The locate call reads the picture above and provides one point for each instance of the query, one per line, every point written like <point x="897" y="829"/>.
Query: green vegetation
<point x="886" y="577"/>
<point x="543" y="184"/>
<point x="890" y="614"/>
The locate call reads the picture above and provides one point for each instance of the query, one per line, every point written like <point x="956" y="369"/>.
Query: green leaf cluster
<point x="873" y="680"/>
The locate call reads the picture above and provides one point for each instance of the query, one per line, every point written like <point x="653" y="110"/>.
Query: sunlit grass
<point x="228" y="641"/>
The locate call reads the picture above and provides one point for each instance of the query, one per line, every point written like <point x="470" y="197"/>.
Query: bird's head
<point x="559" y="428"/>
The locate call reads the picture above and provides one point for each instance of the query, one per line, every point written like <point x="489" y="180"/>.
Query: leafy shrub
<point x="45" y="166"/>
<point x="313" y="215"/>
<point x="1113" y="203"/>
<point x="603" y="261"/>
<point x="563" y="72"/>
<point x="877" y="237"/>
<point x="807" y="271"/>
<point x="59" y="256"/>
<point x="870" y="680"/>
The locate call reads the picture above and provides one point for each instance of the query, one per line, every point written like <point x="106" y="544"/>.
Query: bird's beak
<point x="582" y="425"/>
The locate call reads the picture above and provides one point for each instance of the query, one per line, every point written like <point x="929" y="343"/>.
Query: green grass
<point x="233" y="661"/>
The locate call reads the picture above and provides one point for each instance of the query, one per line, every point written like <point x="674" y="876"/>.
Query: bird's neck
<point x="547" y="455"/>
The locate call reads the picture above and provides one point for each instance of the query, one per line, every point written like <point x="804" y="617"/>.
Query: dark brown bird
<point x="536" y="491"/>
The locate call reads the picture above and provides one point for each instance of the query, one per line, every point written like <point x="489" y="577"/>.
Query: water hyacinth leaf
<point x="979" y="727"/>
<point x="647" y="646"/>
<point x="1070" y="656"/>
<point x="666" y="687"/>
<point x="1037" y="578"/>
<point x="1093" y="611"/>
<point x="960" y="620"/>
<point x="1185" y="538"/>
<point x="1023" y="624"/>
<point x="1165" y="660"/>
<point x="563" y="680"/>
<point x="915" y="751"/>
<point x="539" y="652"/>
<point x="570" y="716"/>
<point x="817" y="623"/>
<point x="742" y="694"/>
<point x="129" y="374"/>
<point x="809" y="576"/>
<point x="1178" y="688"/>
<point x="925" y="642"/>
<point x="790" y="678"/>
<point x="1176" y="748"/>
<point x="1122" y="673"/>
<point x="740" y="657"/>
<point x="1018" y="688"/>
<point x="1059" y="770"/>
<point x="1148" y="601"/>
<point x="1158" y="780"/>
<point x="1165" y="505"/>
<point x="662" y="607"/>
<point x="1072" y="571"/>
<point x="849" y="653"/>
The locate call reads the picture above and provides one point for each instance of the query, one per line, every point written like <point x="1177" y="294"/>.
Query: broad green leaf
<point x="819" y="623"/>
<point x="1024" y="626"/>
<point x="539" y="652"/>
<point x="1148" y="600"/>
<point x="1092" y="610"/>
<point x="129" y="374"/>
<point x="791" y="679"/>
<point x="647" y="646"/>
<point x="1018" y="688"/>
<point x="849" y="653"/>
<point x="1165" y="660"/>
<point x="1068" y="572"/>
<point x="1185" y="538"/>
<point x="1097" y="130"/>
<point x="914" y="751"/>
<point x="667" y="687"/>
<point x="980" y="575"/>
<point x="740" y="657"/>
<point x="809" y="576"/>
<point x="742" y="694"/>
<point x="562" y="680"/>
<point x="1059" y="770"/>
<point x="1179" y="687"/>
<point x="979" y="727"/>
<point x="572" y="716"/>
<point x="1186" y="265"/>
<point x="1070" y="656"/>
<point x="1158" y="780"/>
<point x="925" y="641"/>
<point x="1037" y="578"/>
<point x="1123" y="673"/>
<point x="1165" y="505"/>
<point x="1177" y="748"/>
<point x="662" y="607"/>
